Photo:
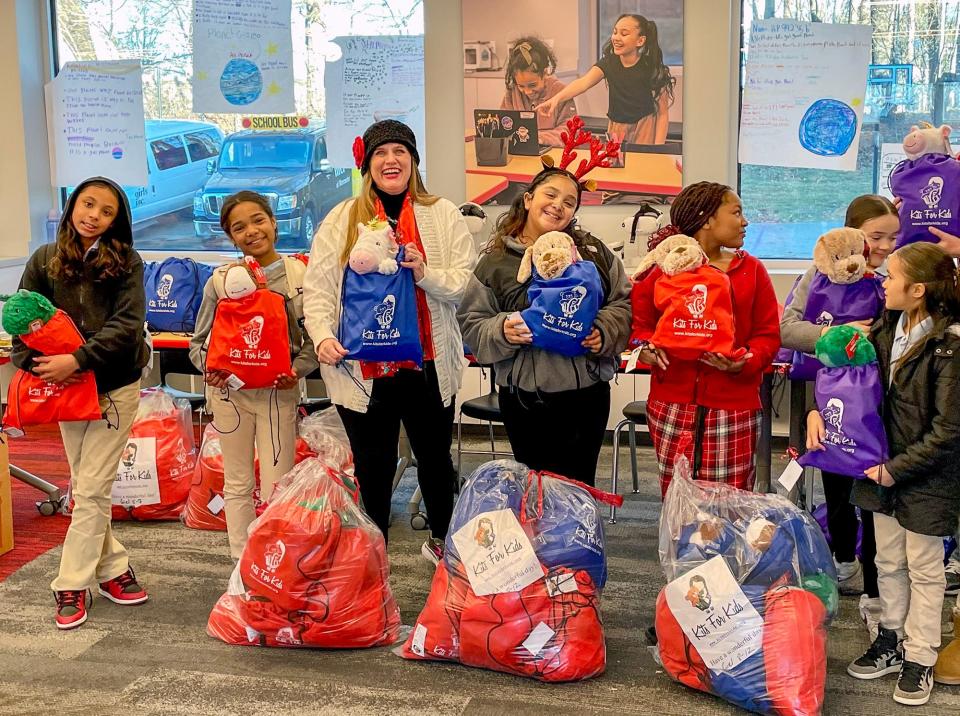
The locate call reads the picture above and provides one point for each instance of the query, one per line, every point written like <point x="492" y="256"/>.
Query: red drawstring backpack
<point x="249" y="338"/>
<point x="696" y="313"/>
<point x="34" y="401"/>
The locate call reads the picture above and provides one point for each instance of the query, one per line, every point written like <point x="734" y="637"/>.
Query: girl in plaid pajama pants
<point x="715" y="399"/>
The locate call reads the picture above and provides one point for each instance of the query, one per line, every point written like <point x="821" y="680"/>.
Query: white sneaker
<point x="870" y="614"/>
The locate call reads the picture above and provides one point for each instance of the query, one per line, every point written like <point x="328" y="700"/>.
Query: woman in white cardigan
<point x="374" y="398"/>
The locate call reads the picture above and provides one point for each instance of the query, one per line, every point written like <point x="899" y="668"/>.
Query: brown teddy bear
<point x="839" y="255"/>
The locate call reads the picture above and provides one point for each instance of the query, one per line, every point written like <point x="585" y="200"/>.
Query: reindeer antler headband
<point x="601" y="155"/>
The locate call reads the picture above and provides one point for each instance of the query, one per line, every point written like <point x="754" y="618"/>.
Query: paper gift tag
<point x="791" y="473"/>
<point x="497" y="553"/>
<point x="540" y="635"/>
<point x="137" y="482"/>
<point x="215" y="505"/>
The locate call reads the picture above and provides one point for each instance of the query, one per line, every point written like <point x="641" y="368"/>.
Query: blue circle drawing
<point x="241" y="82"/>
<point x="117" y="153"/>
<point x="828" y="128"/>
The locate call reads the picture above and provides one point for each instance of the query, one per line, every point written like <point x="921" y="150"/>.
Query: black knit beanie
<point x="386" y="132"/>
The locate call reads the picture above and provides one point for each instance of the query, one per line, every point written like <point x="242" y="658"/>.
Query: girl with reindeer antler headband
<point x="548" y="399"/>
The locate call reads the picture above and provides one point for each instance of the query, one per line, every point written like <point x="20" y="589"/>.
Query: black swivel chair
<point x="487" y="409"/>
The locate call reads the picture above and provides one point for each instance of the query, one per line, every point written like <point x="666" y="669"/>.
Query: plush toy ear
<point x="526" y="265"/>
<point x="945" y="131"/>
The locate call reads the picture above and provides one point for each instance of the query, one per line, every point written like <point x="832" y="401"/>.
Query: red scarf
<point x="407" y="233"/>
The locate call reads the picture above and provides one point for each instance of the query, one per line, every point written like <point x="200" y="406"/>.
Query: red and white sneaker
<point x="71" y="608"/>
<point x="124" y="589"/>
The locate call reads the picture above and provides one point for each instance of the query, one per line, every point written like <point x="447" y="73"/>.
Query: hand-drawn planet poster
<point x="242" y="57"/>
<point x="803" y="94"/>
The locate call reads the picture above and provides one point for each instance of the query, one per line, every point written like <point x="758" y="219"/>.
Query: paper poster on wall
<point x="626" y="58"/>
<point x="891" y="154"/>
<point x="803" y="94"/>
<point x="95" y="123"/>
<point x="375" y="78"/>
<point x="242" y="57"/>
<point x="137" y="482"/>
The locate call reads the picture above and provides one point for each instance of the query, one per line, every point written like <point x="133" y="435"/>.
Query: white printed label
<point x="788" y="478"/>
<point x="215" y="505"/>
<point x="715" y="614"/>
<point x="234" y="382"/>
<point x="562" y="584"/>
<point x="419" y="637"/>
<point x="540" y="635"/>
<point x="136" y="482"/>
<point x="496" y="553"/>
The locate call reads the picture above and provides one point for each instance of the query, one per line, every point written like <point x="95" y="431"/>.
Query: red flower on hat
<point x="358" y="151"/>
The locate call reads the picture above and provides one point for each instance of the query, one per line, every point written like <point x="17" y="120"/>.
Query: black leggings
<point x="559" y="432"/>
<point x="413" y="398"/>
<point x="842" y="523"/>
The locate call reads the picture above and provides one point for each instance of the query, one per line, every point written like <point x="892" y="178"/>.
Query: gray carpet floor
<point x="157" y="659"/>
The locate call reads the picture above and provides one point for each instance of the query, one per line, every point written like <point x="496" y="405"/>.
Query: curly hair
<point x="529" y="54"/>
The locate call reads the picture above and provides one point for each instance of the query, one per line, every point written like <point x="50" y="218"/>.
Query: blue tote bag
<point x="562" y="309"/>
<point x="378" y="317"/>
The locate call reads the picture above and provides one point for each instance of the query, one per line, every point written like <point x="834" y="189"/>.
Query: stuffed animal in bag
<point x="694" y="299"/>
<point x="928" y="185"/>
<point x="842" y="290"/>
<point x="25" y="311"/>
<point x="849" y="394"/>
<point x="376" y="249"/>
<point x="565" y="294"/>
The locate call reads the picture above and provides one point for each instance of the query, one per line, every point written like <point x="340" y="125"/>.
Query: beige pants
<point x="90" y="551"/>
<point x="911" y="581"/>
<point x="248" y="419"/>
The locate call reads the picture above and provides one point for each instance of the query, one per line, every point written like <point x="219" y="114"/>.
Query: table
<point x="643" y="173"/>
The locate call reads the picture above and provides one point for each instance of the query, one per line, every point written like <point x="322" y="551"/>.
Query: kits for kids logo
<point x="164" y="286"/>
<point x="384" y="311"/>
<point x="697" y="301"/>
<point x="932" y="192"/>
<point x="833" y="413"/>
<point x="252" y="332"/>
<point x="824" y="319"/>
<point x="699" y="594"/>
<point x="571" y="299"/>
<point x="274" y="555"/>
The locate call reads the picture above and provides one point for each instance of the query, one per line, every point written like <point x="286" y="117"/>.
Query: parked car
<point x="289" y="167"/>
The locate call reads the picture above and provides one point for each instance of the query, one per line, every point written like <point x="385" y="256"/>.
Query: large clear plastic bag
<point x="518" y="589"/>
<point x="163" y="425"/>
<point x="324" y="435"/>
<point x="314" y="571"/>
<point x="752" y="586"/>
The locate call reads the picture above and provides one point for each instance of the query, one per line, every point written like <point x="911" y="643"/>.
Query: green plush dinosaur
<point x="845" y="345"/>
<point x="23" y="308"/>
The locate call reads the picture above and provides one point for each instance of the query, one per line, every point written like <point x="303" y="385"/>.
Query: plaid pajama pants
<point x="729" y="442"/>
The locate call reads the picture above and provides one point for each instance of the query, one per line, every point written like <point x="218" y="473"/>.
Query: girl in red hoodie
<point x="715" y="398"/>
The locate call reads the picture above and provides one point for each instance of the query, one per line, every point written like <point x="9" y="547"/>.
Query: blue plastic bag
<point x="378" y="320"/>
<point x="562" y="309"/>
<point x="174" y="290"/>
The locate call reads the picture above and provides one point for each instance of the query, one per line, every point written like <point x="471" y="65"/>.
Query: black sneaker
<point x="914" y="685"/>
<point x="952" y="573"/>
<point x="884" y="656"/>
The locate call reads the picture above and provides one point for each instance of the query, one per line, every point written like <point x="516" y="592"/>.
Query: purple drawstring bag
<point x="831" y="303"/>
<point x="929" y="187"/>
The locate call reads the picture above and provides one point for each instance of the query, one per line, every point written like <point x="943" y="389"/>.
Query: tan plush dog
<point x="675" y="254"/>
<point x="552" y="253"/>
<point x="838" y="255"/>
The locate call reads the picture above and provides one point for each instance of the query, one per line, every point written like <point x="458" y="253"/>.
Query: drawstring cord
<point x="116" y="412"/>
<point x="275" y="443"/>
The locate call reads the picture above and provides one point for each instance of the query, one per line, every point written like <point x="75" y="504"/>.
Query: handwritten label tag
<point x="136" y="482"/>
<point x="497" y="553"/>
<point x="715" y="614"/>
<point x="790" y="475"/>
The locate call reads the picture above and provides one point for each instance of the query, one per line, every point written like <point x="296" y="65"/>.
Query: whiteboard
<point x="95" y="123"/>
<point x="242" y="57"/>
<point x="375" y="78"/>
<point x="803" y="94"/>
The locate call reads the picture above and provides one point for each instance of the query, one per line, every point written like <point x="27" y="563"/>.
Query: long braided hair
<point x="692" y="208"/>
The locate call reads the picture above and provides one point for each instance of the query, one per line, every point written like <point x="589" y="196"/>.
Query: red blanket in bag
<point x="794" y="642"/>
<point x="249" y="338"/>
<point x="680" y="659"/>
<point x="436" y="635"/>
<point x="176" y="461"/>
<point x="697" y="313"/>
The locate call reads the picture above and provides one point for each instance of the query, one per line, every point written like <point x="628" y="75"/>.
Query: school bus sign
<point x="274" y="122"/>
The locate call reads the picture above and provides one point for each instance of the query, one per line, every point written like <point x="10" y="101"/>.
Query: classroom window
<point x="914" y="75"/>
<point x="177" y="211"/>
